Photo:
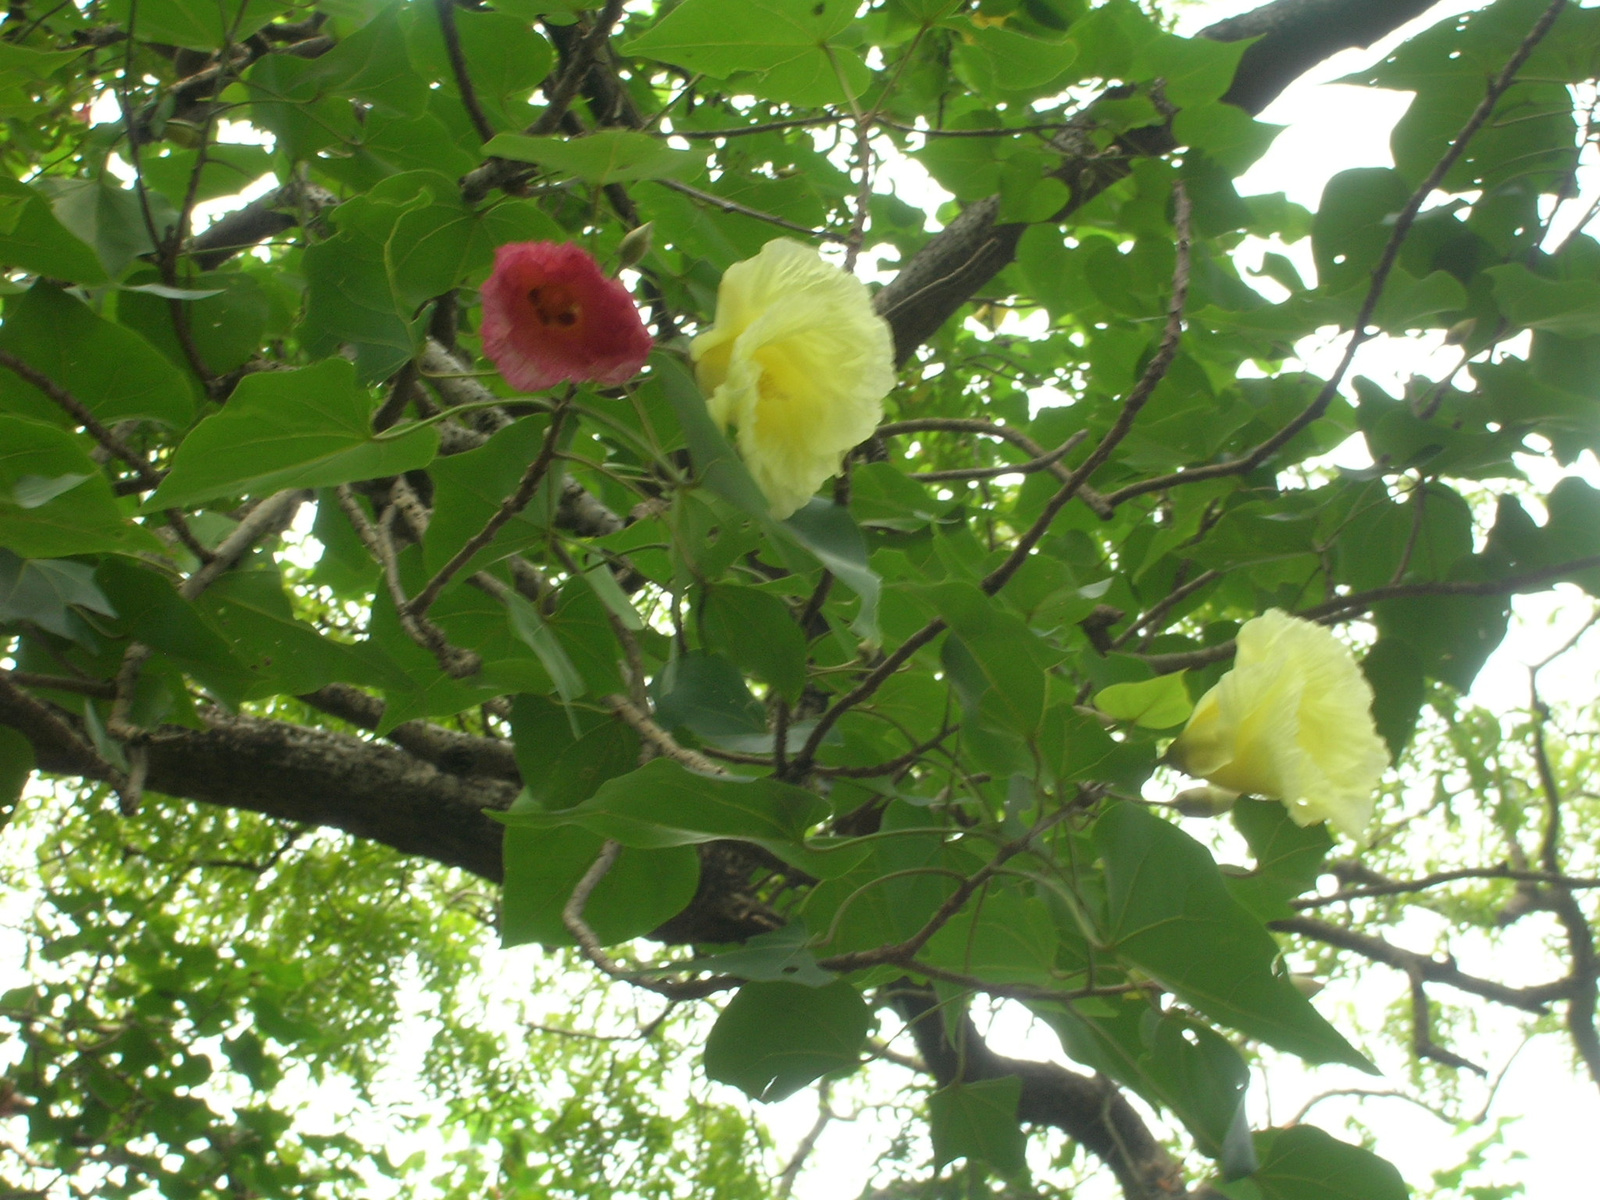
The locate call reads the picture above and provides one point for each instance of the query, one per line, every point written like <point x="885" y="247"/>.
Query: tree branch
<point x="1091" y="1111"/>
<point x="1535" y="999"/>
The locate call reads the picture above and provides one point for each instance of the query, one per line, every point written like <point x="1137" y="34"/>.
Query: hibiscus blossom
<point x="550" y="316"/>
<point x="1292" y="722"/>
<point x="799" y="362"/>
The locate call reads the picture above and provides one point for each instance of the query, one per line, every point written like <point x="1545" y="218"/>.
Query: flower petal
<point x="550" y="316"/>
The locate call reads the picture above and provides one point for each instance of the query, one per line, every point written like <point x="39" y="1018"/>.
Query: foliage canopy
<point x="345" y="654"/>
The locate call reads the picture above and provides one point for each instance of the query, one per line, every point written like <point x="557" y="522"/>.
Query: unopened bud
<point x="635" y="246"/>
<point x="1208" y="801"/>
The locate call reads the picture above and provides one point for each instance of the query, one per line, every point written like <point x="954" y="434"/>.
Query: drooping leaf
<point x="1304" y="1163"/>
<point x="111" y="370"/>
<point x="82" y="519"/>
<point x="774" y="1038"/>
<point x="607" y="156"/>
<point x="1169" y="913"/>
<point x="978" y="1121"/>
<point x="44" y="591"/>
<point x="288" y="429"/>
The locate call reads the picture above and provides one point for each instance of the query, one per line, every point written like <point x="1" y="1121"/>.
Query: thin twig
<point x="1042" y="463"/>
<point x="453" y="660"/>
<point x="1404" y="887"/>
<point x="744" y="210"/>
<point x="446" y="10"/>
<point x="825" y="1115"/>
<point x="1166" y="604"/>
<point x="589" y="943"/>
<point x="1585" y="977"/>
<point x="509" y="507"/>
<point x="1534" y="999"/>
<point x="660" y="739"/>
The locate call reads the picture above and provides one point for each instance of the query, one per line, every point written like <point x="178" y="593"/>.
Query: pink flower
<point x="550" y="316"/>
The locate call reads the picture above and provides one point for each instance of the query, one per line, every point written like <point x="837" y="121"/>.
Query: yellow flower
<point x="799" y="362"/>
<point x="1292" y="721"/>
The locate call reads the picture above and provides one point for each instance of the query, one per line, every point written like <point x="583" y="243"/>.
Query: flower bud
<point x="635" y="246"/>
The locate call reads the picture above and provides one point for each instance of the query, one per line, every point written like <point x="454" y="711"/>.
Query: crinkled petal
<point x="799" y="363"/>
<point x="1292" y="721"/>
<point x="550" y="316"/>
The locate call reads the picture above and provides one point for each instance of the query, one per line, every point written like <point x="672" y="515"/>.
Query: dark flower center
<point x="554" y="304"/>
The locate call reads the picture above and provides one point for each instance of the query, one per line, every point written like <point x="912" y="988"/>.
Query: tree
<point x="829" y="786"/>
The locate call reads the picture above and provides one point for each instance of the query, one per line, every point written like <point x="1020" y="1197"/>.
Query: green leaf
<point x="470" y="487"/>
<point x="1304" y="1163"/>
<point x="1353" y="223"/>
<point x="226" y="318"/>
<point x="663" y="804"/>
<point x="530" y="626"/>
<point x="108" y="216"/>
<point x="33" y="491"/>
<point x="998" y="60"/>
<point x="715" y="461"/>
<point x="705" y="693"/>
<point x="150" y="610"/>
<point x="1194" y="71"/>
<point x="193" y="24"/>
<point x="508" y="59"/>
<point x="1288" y="858"/>
<point x="543" y="866"/>
<point x="229" y="168"/>
<point x="831" y="536"/>
<point x="287" y="429"/>
<point x="758" y="632"/>
<point x="38" y="242"/>
<point x="16" y="765"/>
<point x="978" y="1122"/>
<point x="84" y="519"/>
<point x="1003" y="936"/>
<point x="561" y="770"/>
<point x="607" y="156"/>
<point x="114" y="372"/>
<point x="373" y="64"/>
<point x="997" y="663"/>
<point x="1395" y="672"/>
<point x="774" y="1038"/>
<point x="784" y="42"/>
<point x="1159" y="703"/>
<point x="1170" y="914"/>
<point x="1169" y="1059"/>
<point x="1570" y="308"/>
<point x="286" y="657"/>
<point x="777" y="957"/>
<point x="44" y="591"/>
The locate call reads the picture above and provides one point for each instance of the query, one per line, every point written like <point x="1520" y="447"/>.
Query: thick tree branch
<point x="1298" y="34"/>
